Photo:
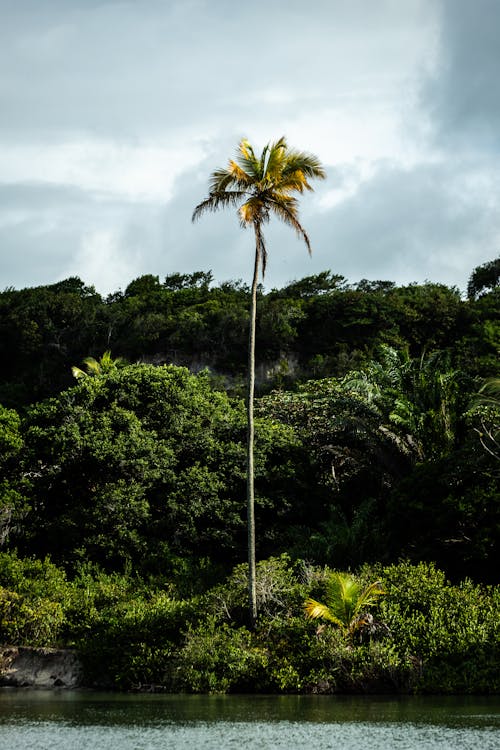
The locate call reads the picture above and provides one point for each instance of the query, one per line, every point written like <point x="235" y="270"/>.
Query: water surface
<point x="61" y="720"/>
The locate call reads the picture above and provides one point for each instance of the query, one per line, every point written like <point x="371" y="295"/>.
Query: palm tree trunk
<point x="252" y="593"/>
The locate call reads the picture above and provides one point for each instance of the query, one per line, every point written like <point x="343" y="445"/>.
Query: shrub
<point x="33" y="596"/>
<point x="450" y="632"/>
<point x="130" y="645"/>
<point x="216" y="658"/>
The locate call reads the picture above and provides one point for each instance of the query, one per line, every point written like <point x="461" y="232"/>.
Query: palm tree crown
<point x="261" y="187"/>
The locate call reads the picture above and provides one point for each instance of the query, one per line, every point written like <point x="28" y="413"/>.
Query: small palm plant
<point x="346" y="603"/>
<point x="94" y="367"/>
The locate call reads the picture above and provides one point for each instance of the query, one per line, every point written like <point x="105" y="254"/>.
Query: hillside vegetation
<point x="122" y="486"/>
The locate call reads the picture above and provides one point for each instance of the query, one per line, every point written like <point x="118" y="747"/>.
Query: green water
<point x="45" y="720"/>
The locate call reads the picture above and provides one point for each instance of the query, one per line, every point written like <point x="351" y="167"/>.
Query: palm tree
<point x="346" y="602"/>
<point x="260" y="187"/>
<point x="94" y="367"/>
<point x="416" y="399"/>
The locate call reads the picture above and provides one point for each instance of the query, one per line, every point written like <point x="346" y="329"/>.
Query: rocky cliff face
<point x="39" y="667"/>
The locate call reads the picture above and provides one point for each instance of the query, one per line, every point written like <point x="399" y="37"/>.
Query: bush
<point x="279" y="591"/>
<point x="33" y="596"/>
<point x="216" y="658"/>
<point x="25" y="622"/>
<point x="450" y="632"/>
<point x="129" y="645"/>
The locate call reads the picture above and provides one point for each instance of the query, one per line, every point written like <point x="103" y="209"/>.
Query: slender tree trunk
<point x="252" y="593"/>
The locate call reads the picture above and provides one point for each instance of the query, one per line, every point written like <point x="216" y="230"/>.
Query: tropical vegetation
<point x="123" y="529"/>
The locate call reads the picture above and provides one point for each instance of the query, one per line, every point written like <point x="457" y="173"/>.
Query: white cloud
<point x="101" y="254"/>
<point x="141" y="171"/>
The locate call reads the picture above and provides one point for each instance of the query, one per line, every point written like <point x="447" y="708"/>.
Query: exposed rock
<point x="21" y="666"/>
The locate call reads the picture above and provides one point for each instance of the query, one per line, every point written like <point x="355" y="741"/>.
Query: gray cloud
<point x="427" y="223"/>
<point x="127" y="69"/>
<point x="109" y="105"/>
<point x="48" y="233"/>
<point x="463" y="95"/>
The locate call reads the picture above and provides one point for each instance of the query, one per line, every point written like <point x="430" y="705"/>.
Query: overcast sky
<point x="113" y="113"/>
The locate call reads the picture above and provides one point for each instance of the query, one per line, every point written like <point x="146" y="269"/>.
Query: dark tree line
<point x="315" y="327"/>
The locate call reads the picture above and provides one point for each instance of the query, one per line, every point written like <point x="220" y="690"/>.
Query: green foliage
<point x="146" y="464"/>
<point x="484" y="416"/>
<point x="131" y="643"/>
<point x="33" y="596"/>
<point x="216" y="658"/>
<point x="449" y="632"/>
<point x="486" y="276"/>
<point x="23" y="622"/>
<point x="448" y="511"/>
<point x="10" y="438"/>
<point x="279" y="591"/>
<point x="135" y="634"/>
<point x="13" y="484"/>
<point x="134" y="481"/>
<point x="321" y="324"/>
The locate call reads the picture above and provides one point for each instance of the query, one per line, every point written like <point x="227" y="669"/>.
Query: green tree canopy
<point x="144" y="462"/>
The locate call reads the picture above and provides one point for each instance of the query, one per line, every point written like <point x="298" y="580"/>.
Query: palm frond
<point x="92" y="365"/>
<point x="289" y="216"/>
<point x="215" y="201"/>
<point x="371" y="594"/>
<point x="240" y="177"/>
<point x="251" y="211"/>
<point x="78" y="373"/>
<point x="264" y="159"/>
<point x="277" y="158"/>
<point x="314" y="610"/>
<point x="248" y="161"/>
<point x="293" y="182"/>
<point x="345" y="601"/>
<point x="222" y="180"/>
<point x="488" y="394"/>
<point x="308" y="164"/>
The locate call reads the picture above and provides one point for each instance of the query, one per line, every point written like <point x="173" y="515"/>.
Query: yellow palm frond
<point x="248" y="161"/>
<point x="315" y="609"/>
<point x="78" y="373"/>
<point x="254" y="209"/>
<point x="346" y="601"/>
<point x="239" y="175"/>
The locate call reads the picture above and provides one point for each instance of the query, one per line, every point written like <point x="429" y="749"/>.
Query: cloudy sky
<point x="113" y="113"/>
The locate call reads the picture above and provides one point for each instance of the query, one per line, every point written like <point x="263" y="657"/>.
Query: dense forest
<point x="122" y="492"/>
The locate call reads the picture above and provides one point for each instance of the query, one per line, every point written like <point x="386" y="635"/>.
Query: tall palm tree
<point x="260" y="187"/>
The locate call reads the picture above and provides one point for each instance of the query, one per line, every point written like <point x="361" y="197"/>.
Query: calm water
<point x="43" y="720"/>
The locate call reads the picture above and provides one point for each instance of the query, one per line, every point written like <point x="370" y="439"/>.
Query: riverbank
<point x="422" y="635"/>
